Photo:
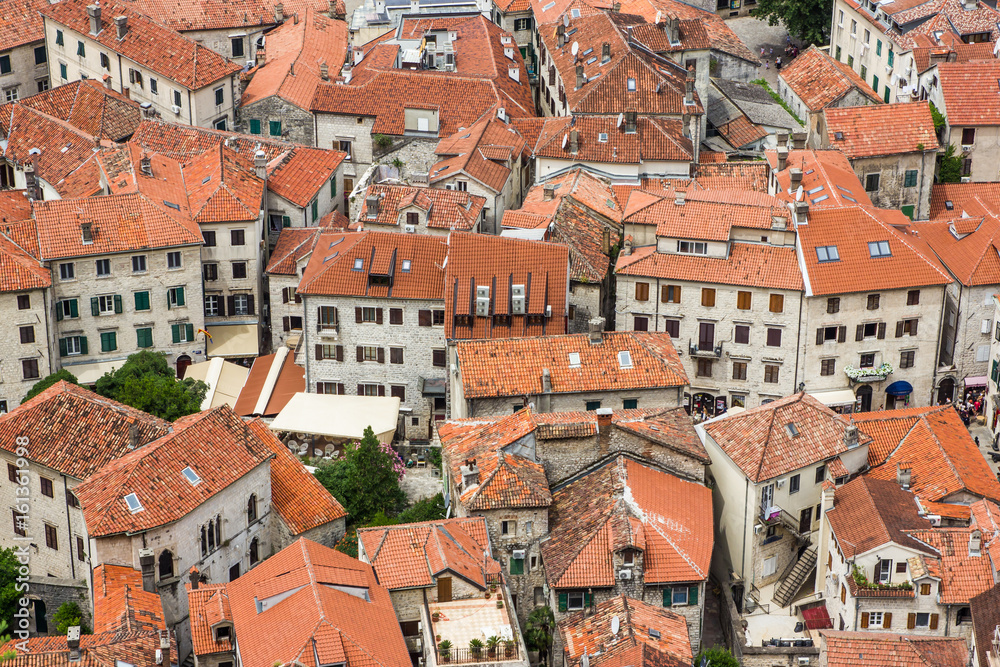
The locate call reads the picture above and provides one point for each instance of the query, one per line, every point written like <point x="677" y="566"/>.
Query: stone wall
<point x="296" y="123"/>
<point x="53" y="593"/>
<point x="25" y="77"/>
<point x="13" y="382"/>
<point x="892" y="191"/>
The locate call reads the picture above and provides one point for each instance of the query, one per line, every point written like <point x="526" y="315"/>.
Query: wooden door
<point x="444" y="589"/>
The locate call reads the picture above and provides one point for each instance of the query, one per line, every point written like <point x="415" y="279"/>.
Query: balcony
<point x="329" y="329"/>
<point x="774" y="515"/>
<point x="704" y="350"/>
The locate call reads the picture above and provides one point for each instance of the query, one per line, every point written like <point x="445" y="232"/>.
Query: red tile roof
<point x="209" y="605"/>
<point x="748" y="264"/>
<point x="293" y="244"/>
<point x="820" y="81"/>
<point x="963" y="87"/>
<point x="105" y="649"/>
<point x="476" y="260"/>
<point x="760" y="443"/>
<point x="121" y="604"/>
<point x="885" y="649"/>
<point x="76" y="432"/>
<point x="486" y="152"/>
<point x="625" y="504"/>
<point x="576" y="186"/>
<point x="486" y="371"/>
<point x="985" y="609"/>
<point x="413" y="555"/>
<point x="827" y="177"/>
<point x="860" y="131"/>
<point x="324" y="614"/>
<point x="295" y="51"/>
<point x="974" y="256"/>
<point x="589" y="633"/>
<point x="291" y="380"/>
<point x="698" y="28"/>
<point x="443" y="209"/>
<point x="19" y="270"/>
<point x="654" y="139"/>
<point x="91" y="107"/>
<point x="331" y="267"/>
<point x="985" y="515"/>
<point x="924" y="57"/>
<point x="964" y="199"/>
<point x="20" y="23"/>
<point x="590" y="239"/>
<point x="153" y="473"/>
<point x="869" y="513"/>
<point x="963" y="575"/>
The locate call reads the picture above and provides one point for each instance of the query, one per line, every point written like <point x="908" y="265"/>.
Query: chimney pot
<point x="798" y="140"/>
<point x="605" y="52"/>
<point x="574" y="142"/>
<point x="903" y="475"/>
<point x="94" y="12"/>
<point x="782" y="138"/>
<point x="596" y="327"/>
<point x="260" y="164"/>
<point x="324" y="71"/>
<point x="603" y="420"/>
<point x="579" y="77"/>
<point x="279" y="13"/>
<point x="782" y="158"/>
<point x="548" y="191"/>
<point x="195" y="578"/>
<point x="121" y="26"/>
<point x="679" y="196"/>
<point x="796" y="175"/>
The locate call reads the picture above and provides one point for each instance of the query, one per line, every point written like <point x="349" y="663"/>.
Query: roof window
<point x="631" y="84"/>
<point x="839" y="136"/>
<point x="574" y="359"/>
<point x="134" y="506"/>
<point x="206" y="179"/>
<point x="819" y="199"/>
<point x="655" y="634"/>
<point x="406" y="265"/>
<point x="359" y="264"/>
<point x="170" y="204"/>
<point x="575" y="13"/>
<point x="548" y="6"/>
<point x="814" y="190"/>
<point x="879" y="248"/>
<point x="950" y="205"/>
<point x="793" y="430"/>
<point x="603" y="137"/>
<point x="625" y="359"/>
<point x="827" y="253"/>
<point x="191" y="476"/>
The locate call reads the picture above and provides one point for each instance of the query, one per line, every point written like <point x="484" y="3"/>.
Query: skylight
<point x="814" y="190"/>
<point x="206" y="180"/>
<point x="134" y="506"/>
<point x="655" y="634"/>
<point x="587" y="52"/>
<point x="359" y="264"/>
<point x="793" y="430"/>
<point x="603" y="137"/>
<point x="625" y="359"/>
<point x="839" y="136"/>
<point x="406" y="265"/>
<point x="575" y="13"/>
<point x="950" y="205"/>
<point x="819" y="199"/>
<point x="591" y="60"/>
<point x="191" y="476"/>
<point x="574" y="359"/>
<point x="631" y="84"/>
<point x="170" y="204"/>
<point x="548" y="6"/>
<point x="879" y="249"/>
<point x="827" y="253"/>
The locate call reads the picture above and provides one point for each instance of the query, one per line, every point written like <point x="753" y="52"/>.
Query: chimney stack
<point x="579" y="77"/>
<point x="73" y="642"/>
<point x="133" y="437"/>
<point x="94" y="12"/>
<point x="126" y="93"/>
<point x="548" y="191"/>
<point x="279" y="13"/>
<point x="606" y="242"/>
<point x="801" y="218"/>
<point x="108" y="82"/>
<point x="324" y="71"/>
<point x="798" y="140"/>
<point x="260" y="164"/>
<point x="617" y="7"/>
<point x="851" y="432"/>
<point x="903" y="475"/>
<point x="680" y="194"/>
<point x="603" y="420"/>
<point x="561" y="34"/>
<point x="689" y="86"/>
<point x="606" y="52"/>
<point x="146" y="561"/>
<point x="87" y="235"/>
<point x="121" y="26"/>
<point x="146" y="165"/>
<point x="796" y="175"/>
<point x="782" y="138"/>
<point x="574" y="142"/>
<point x="332" y="9"/>
<point x="782" y="157"/>
<point x="545" y="400"/>
<point x="195" y="578"/>
<point x="596" y="327"/>
<point x="33" y="182"/>
<point x="975" y="543"/>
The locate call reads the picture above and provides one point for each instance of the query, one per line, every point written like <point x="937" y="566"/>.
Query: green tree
<point x="366" y="479"/>
<point x="8" y="586"/>
<point x="428" y="509"/>
<point x="808" y="20"/>
<point x="717" y="656"/>
<point x="949" y="166"/>
<point x="938" y="118"/>
<point x="538" y="632"/>
<point x="68" y="615"/>
<point x="146" y="382"/>
<point x="46" y="382"/>
<point x="4" y="638"/>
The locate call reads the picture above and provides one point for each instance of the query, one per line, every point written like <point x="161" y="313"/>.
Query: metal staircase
<point x="791" y="584"/>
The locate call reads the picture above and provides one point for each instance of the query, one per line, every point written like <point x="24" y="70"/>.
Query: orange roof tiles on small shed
<point x="819" y="80"/>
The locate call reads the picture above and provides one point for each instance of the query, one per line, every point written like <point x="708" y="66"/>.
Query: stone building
<point x="177" y="77"/>
<point x="284" y="270"/>
<point x="394" y="343"/>
<point x="68" y="433"/>
<point x="23" y="68"/>
<point x="142" y="291"/>
<point x="744" y="116"/>
<point x="769" y="465"/>
<point x="897" y="168"/>
<point x="566" y="373"/>
<point x="717" y="271"/>
<point x="413" y="210"/>
<point x="604" y="542"/>
<point x="852" y="649"/>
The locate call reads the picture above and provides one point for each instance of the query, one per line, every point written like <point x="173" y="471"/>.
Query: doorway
<point x="183" y="362"/>
<point x="946" y="391"/>
<point x="348" y="189"/>
<point x="864" y="395"/>
<point x="444" y="589"/>
<point x="38" y="610"/>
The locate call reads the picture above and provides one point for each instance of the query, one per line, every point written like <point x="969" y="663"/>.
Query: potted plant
<point x="508" y="648"/>
<point x="499" y="604"/>
<point x="476" y="648"/>
<point x="444" y="650"/>
<point x="435" y="616"/>
<point x="492" y="644"/>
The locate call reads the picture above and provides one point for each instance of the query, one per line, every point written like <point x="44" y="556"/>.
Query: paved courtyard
<point x="756" y="33"/>
<point x="419" y="483"/>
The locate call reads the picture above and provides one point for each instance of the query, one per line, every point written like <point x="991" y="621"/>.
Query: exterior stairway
<point x="791" y="584"/>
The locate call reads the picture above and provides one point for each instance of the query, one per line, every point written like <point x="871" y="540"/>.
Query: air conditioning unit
<point x="624" y="574"/>
<point x="966" y="148"/>
<point x="803" y="659"/>
<point x="757" y="528"/>
<point x="449" y="186"/>
<point x="517" y="290"/>
<point x="518" y="554"/>
<point x="935" y="520"/>
<point x="159" y="657"/>
<point x="548" y="311"/>
<point x="251" y="64"/>
<point x="176" y="109"/>
<point x="966" y="179"/>
<point x="482" y="291"/>
<point x="517" y="305"/>
<point x="409" y="229"/>
<point x="482" y="306"/>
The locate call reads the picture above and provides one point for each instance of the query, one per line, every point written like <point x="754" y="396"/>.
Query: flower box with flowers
<point x="868" y="374"/>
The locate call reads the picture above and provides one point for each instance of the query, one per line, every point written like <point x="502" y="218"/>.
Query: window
<point x="704" y="368"/>
<point x="739" y="370"/>
<point x="345" y="146"/>
<point x="72" y="345"/>
<point x="630" y="403"/>
<point x="395" y="316"/>
<point x="144" y="337"/>
<point x="630" y="85"/>
<point x="175" y="297"/>
<point x="575" y="600"/>
<point x="925" y="589"/>
<point x="867" y="360"/>
<point x="871" y="182"/>
<point x="670" y="294"/>
<point x="239" y="270"/>
<point x="370" y="390"/>
<point x="875" y="83"/>
<point x="679" y="596"/>
<point x="109" y="341"/>
<point x="220" y="124"/>
<point x="252" y="508"/>
<point x="395" y="355"/>
<point x="837" y="55"/>
<point x="63" y="73"/>
<point x="105" y="304"/>
<point x="103" y="267"/>
<point x="209" y="238"/>
<point x="27" y="334"/>
<point x="437" y="318"/>
<point x="794" y="481"/>
<point x="369" y="314"/>
<point x="873" y="301"/>
<point x="923" y="619"/>
<point x="51" y="537"/>
<point x="910" y="178"/>
<point x="771" y="373"/>
<point x="774" y="337"/>
<point x="166" y="564"/>
<point x="833" y="305"/>
<point x="46" y="486"/>
<point x="743" y="300"/>
<point x="864" y="73"/>
<point x="81" y="549"/>
<point x="827" y="253"/>
<point x="29" y="371"/>
<point x="254" y="126"/>
<point x="40" y="57"/>
<point x="66" y="309"/>
<point x="742" y="334"/>
<point x="879" y="249"/>
<point x="59" y="38"/>
<point x="672" y="327"/>
<point x="854" y="27"/>
<point x="708" y="297"/>
<point x="692" y="247"/>
<point x="891" y="57"/>
<point x="142" y="301"/>
<point x="906" y="358"/>
<point x="522" y="24"/>
<point x="968" y="136"/>
<point x="153" y="86"/>
<point x="909" y="328"/>
<point x="241" y="304"/>
<point x="640" y="323"/>
<point x="642" y="291"/>
<point x="462" y="186"/>
<point x="23" y="301"/>
<point x="210" y="272"/>
<point x="81" y="49"/>
<point x="314" y="207"/>
<point x="508" y="527"/>
<point x="777" y="303"/>
<point x="236" y="237"/>
<point x="274" y="128"/>
<point x="827" y="366"/>
<point x="174" y="260"/>
<point x="20" y="524"/>
<point x="820" y="476"/>
<point x="139" y="264"/>
<point x="328" y="317"/>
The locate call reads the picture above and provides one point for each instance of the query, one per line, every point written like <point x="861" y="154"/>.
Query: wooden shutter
<point x="913" y="327"/>
<point x="340" y="352"/>
<point x="340" y="388"/>
<point x="911" y="621"/>
<point x="284" y="295"/>
<point x="250" y="304"/>
<point x="74" y="310"/>
<point x="221" y="302"/>
<point x="232" y="303"/>
<point x="62" y="347"/>
<point x="861" y="332"/>
<point x="668" y="597"/>
<point x="118" y="303"/>
<point x="881" y="330"/>
<point x="395" y="316"/>
<point x="899" y="329"/>
<point x="841" y="334"/>
<point x="693" y="595"/>
<point x="297" y="297"/>
<point x="563" y="604"/>
<point x="95" y="308"/>
<point x="819" y="336"/>
<point x="380" y="355"/>
<point x="887" y="620"/>
<point x="59" y="311"/>
<point x="378" y="316"/>
<point x="381" y="392"/>
<point x="864" y="619"/>
<point x="361" y="390"/>
<point x="319" y="352"/>
<point x="843" y="594"/>
<point x="190" y="332"/>
<point x="83" y="345"/>
<point x="361" y="353"/>
<point x="424" y="318"/>
<point x="588" y="599"/>
<point x="357" y="315"/>
<point x="286" y="323"/>
<point x="175" y="333"/>
<point x="934" y="621"/>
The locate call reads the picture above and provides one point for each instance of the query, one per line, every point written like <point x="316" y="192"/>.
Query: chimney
<point x="679" y="196"/>
<point x="279" y="13"/>
<point x="674" y="29"/>
<point x="606" y="242"/>
<point x="903" y="475"/>
<point x="121" y="26"/>
<point x="146" y="165"/>
<point x="195" y="578"/>
<point x="798" y="140"/>
<point x="125" y="93"/>
<point x="324" y="71"/>
<point x="627" y="246"/>
<point x="548" y="191"/>
<point x="295" y="18"/>
<point x="371" y="206"/>
<point x="782" y="157"/>
<point x="689" y="86"/>
<point x="605" y="52"/>
<point x="574" y="142"/>
<point x="969" y="5"/>
<point x="851" y="432"/>
<point x="73" y="642"/>
<point x="596" y="327"/>
<point x="561" y="34"/>
<point x="603" y="420"/>
<point x="332" y="9"/>
<point x="108" y="82"/>
<point x="617" y="7"/>
<point x="146" y="564"/>
<point x="545" y="400"/>
<point x="291" y="68"/>
<point x="796" y="175"/>
<point x="147" y="109"/>
<point x="33" y="182"/>
<point x="87" y="236"/>
<point x="801" y="218"/>
<point x="133" y="437"/>
<point x="782" y="137"/>
<point x="260" y="165"/>
<point x="579" y="77"/>
<point x="94" y="12"/>
<point x="975" y="543"/>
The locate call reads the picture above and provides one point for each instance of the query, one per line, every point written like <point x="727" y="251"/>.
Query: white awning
<point x="233" y="340"/>
<point x="224" y="379"/>
<point x="91" y="373"/>
<point x="339" y="416"/>
<point x="835" y="397"/>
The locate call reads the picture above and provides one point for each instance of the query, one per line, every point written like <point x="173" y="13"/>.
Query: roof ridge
<point x="313" y="582"/>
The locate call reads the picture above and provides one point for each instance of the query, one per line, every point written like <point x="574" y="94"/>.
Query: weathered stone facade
<point x="892" y="190"/>
<point x="22" y="311"/>
<point x="296" y="123"/>
<point x="27" y="76"/>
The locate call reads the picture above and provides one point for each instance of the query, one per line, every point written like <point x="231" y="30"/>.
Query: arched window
<point x="252" y="508"/>
<point x="204" y="542"/>
<point x="166" y="564"/>
<point x="254" y="552"/>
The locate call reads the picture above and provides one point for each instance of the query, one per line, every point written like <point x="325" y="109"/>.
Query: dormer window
<point x="222" y="633"/>
<point x="413" y="219"/>
<point x="793" y="430"/>
<point x="628" y="557"/>
<point x="87" y="233"/>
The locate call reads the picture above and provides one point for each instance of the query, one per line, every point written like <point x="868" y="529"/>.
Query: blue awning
<point x="899" y="388"/>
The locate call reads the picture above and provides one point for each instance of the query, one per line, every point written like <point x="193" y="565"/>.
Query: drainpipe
<point x="746" y="505"/>
<point x="305" y="335"/>
<point x="190" y="109"/>
<point x="69" y="527"/>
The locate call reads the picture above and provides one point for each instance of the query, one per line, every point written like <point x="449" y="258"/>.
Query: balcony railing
<point x="704" y="349"/>
<point x="465" y="656"/>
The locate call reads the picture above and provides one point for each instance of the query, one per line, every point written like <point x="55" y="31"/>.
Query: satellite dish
<point x="615" y="624"/>
<point x="566" y="20"/>
<point x="798" y="194"/>
<point x="621" y="119"/>
<point x="565" y="140"/>
<point x="659" y="15"/>
<point x="575" y="48"/>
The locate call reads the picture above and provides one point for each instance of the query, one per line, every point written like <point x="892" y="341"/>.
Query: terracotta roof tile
<point x="654" y="139"/>
<point x="963" y="575"/>
<point x="76" y="432"/>
<point x="860" y="131"/>
<point x="443" y="209"/>
<point x="869" y="513"/>
<point x="484" y="152"/>
<point x="624" y="504"/>
<point x="963" y="87"/>
<point x="965" y="199"/>
<point x="121" y="603"/>
<point x="711" y="212"/>
<point x="153" y="473"/>
<point x="105" y="649"/>
<point x="963" y="53"/>
<point x="575" y="186"/>
<point x="589" y="239"/>
<point x="91" y="107"/>
<point x="985" y="609"/>
<point x="759" y="442"/>
<point x="208" y="605"/>
<point x="985" y="515"/>
<point x="819" y="80"/>
<point x="293" y="244"/>
<point x="19" y="270"/>
<point x="747" y="265"/>
<point x="827" y="178"/>
<point x="974" y="257"/>
<point x="884" y="649"/>
<point x="20" y="23"/>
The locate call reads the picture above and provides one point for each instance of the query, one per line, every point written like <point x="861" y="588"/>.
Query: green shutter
<point x="142" y="300"/>
<point x="993" y="373"/>
<point x="333" y="186"/>
<point x="274" y="127"/>
<point x="118" y="303"/>
<point x="59" y="312"/>
<point x="74" y="309"/>
<point x="563" y="602"/>
<point x="62" y="71"/>
<point x="59" y="37"/>
<point x="95" y="308"/>
<point x="254" y="126"/>
<point x="175" y="332"/>
<point x="315" y="210"/>
<point x="517" y="566"/>
<point x="169" y="304"/>
<point x="668" y="597"/>
<point x="83" y="345"/>
<point x="693" y="595"/>
<point x="190" y="332"/>
<point x="180" y="296"/>
<point x="587" y="599"/>
<point x="62" y="347"/>
<point x="286" y="221"/>
<point x="81" y="50"/>
<point x="109" y="341"/>
<point x="144" y="337"/>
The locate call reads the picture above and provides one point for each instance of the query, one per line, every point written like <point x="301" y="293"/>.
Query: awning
<point x="224" y="380"/>
<point x="91" y="373"/>
<point x="975" y="381"/>
<point x="433" y="386"/>
<point x="233" y="340"/>
<point x="899" y="388"/>
<point x="339" y="416"/>
<point x="835" y="397"/>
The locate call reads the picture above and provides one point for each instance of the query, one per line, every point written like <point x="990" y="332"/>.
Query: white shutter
<point x="983" y="353"/>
